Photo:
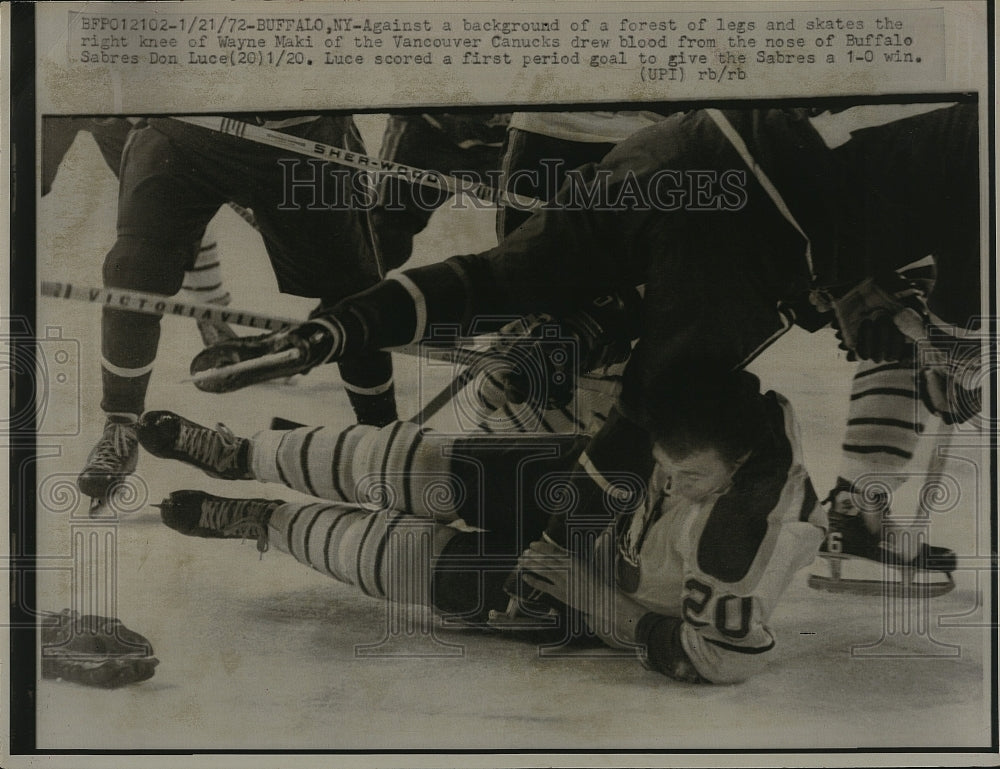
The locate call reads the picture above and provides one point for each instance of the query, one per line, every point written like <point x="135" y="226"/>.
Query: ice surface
<point x="260" y="653"/>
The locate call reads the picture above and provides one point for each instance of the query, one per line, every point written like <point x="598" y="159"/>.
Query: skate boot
<point x="219" y="453"/>
<point x="198" y="514"/>
<point x="215" y="331"/>
<point x="112" y="460"/>
<point x="248" y="360"/>
<point x="529" y="610"/>
<point x="849" y="538"/>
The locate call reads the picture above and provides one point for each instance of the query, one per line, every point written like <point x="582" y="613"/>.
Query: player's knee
<point x="146" y="265"/>
<point x="469" y="594"/>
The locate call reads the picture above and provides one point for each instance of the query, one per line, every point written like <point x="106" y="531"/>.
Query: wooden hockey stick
<point x="459" y="355"/>
<point x="157" y="304"/>
<point x="351" y="159"/>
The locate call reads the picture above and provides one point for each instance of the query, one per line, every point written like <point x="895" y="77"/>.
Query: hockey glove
<point x="237" y="363"/>
<point x="94" y="651"/>
<point x="870" y="315"/>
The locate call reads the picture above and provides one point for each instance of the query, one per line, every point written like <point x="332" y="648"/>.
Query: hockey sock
<point x="884" y="423"/>
<point x="399" y="466"/>
<point x="129" y="339"/>
<point x="385" y="553"/>
<point x="124" y="388"/>
<point x="369" y="386"/>
<point x="203" y="282"/>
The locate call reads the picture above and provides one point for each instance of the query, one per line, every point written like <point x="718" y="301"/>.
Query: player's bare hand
<point x="547" y="567"/>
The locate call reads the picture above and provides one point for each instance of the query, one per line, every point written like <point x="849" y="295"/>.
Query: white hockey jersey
<point x="720" y="565"/>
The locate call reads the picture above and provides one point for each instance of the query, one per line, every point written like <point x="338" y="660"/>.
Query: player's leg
<point x="328" y="251"/>
<point x="503" y="484"/>
<point x="386" y="554"/>
<point x="160" y="215"/>
<point x="535" y="165"/>
<point x="203" y="283"/>
<point x="404" y="209"/>
<point x="884" y="425"/>
<point x="418" y="479"/>
<point x="452" y="144"/>
<point x="58" y="134"/>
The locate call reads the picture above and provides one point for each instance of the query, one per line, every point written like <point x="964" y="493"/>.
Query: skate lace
<point x="215" y="448"/>
<point x="236" y="518"/>
<point x="115" y="445"/>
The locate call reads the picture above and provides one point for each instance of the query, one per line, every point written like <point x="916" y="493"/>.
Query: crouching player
<point x="687" y="570"/>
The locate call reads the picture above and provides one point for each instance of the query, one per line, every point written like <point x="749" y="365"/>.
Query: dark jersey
<point x="724" y="215"/>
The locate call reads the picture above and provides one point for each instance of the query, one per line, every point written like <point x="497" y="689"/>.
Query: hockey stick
<point x="351" y="159"/>
<point x="443" y="398"/>
<point x="157" y="304"/>
<point x="460" y="355"/>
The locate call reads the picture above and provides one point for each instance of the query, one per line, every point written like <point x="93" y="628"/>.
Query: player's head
<point x="705" y="424"/>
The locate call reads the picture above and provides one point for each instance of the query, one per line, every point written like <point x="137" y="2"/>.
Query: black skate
<point x="218" y="452"/>
<point x="198" y="514"/>
<point x="214" y="332"/>
<point x="527" y="608"/>
<point x="110" y="462"/>
<point x="218" y="367"/>
<point x="536" y="617"/>
<point x="864" y="562"/>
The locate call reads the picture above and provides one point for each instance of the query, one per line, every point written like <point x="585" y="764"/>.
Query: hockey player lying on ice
<point x="693" y="558"/>
<point x="832" y="206"/>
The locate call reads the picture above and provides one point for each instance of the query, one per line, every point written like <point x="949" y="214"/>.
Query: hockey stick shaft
<point x="157" y="304"/>
<point x="468" y="356"/>
<point x="345" y="157"/>
<point x="443" y="398"/>
<point x="458" y="355"/>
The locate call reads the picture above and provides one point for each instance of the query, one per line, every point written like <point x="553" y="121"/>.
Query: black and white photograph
<point x="394" y="390"/>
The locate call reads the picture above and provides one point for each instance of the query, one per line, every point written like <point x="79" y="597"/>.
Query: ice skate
<point x="198" y="514"/>
<point x="110" y="462"/>
<point x="278" y="358"/>
<point x="217" y="452"/>
<point x="214" y="332"/>
<point x="864" y="562"/>
<point x="528" y="608"/>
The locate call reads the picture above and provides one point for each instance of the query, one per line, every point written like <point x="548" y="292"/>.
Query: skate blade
<point x="902" y="581"/>
<point x="873" y="587"/>
<point x="501" y="620"/>
<point x="122" y="498"/>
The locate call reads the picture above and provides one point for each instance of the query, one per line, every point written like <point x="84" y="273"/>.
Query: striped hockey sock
<point x="385" y="553"/>
<point x="884" y="423"/>
<point x="399" y="466"/>
<point x="203" y="282"/>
